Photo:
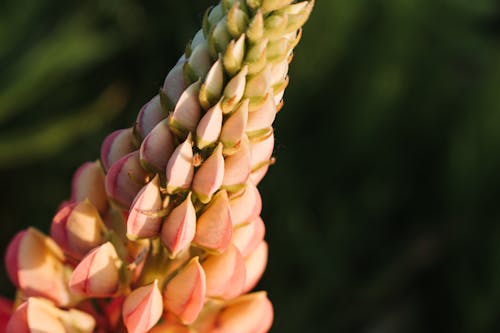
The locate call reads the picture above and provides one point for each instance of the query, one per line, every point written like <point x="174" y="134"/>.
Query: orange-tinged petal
<point x="209" y="128"/>
<point x="141" y="221"/>
<point x="180" y="168"/>
<point x="184" y="295"/>
<point x="237" y="167"/>
<point x="98" y="274"/>
<point x="255" y="264"/>
<point x="179" y="227"/>
<point x="142" y="308"/>
<point x="214" y="228"/>
<point x="252" y="313"/>
<point x="225" y="274"/>
<point x="246" y="206"/>
<point x="248" y="236"/>
<point x="208" y="178"/>
<point x="88" y="183"/>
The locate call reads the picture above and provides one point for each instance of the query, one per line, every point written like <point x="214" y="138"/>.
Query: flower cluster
<point x="163" y="233"/>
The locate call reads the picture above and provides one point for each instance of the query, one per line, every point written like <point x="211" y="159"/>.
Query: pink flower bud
<point x="208" y="178"/>
<point x="255" y="265"/>
<point x="175" y="84"/>
<point x="214" y="228"/>
<point x="237" y="167"/>
<point x="98" y="274"/>
<point x="260" y="121"/>
<point x="199" y="61"/>
<point x="262" y="150"/>
<point x="88" y="183"/>
<point x="78" y="228"/>
<point x="125" y="179"/>
<point x="40" y="315"/>
<point x="187" y="111"/>
<point x="225" y="274"/>
<point x="209" y="128"/>
<point x="157" y="147"/>
<point x="252" y="313"/>
<point x="180" y="168"/>
<point x="179" y="227"/>
<point x="246" y="206"/>
<point x="211" y="89"/>
<point x="142" y="221"/>
<point x="234" y="127"/>
<point x="116" y="145"/>
<point x="234" y="90"/>
<point x="184" y="295"/>
<point x="142" y="308"/>
<point x="5" y="312"/>
<point x="248" y="236"/>
<point x="149" y="116"/>
<point x="35" y="265"/>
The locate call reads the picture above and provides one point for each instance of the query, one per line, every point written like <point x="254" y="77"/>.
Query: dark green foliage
<point x="383" y="210"/>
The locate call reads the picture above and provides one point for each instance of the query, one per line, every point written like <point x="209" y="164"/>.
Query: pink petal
<point x="125" y="179"/>
<point x="141" y="221"/>
<point x="255" y="265"/>
<point x="149" y="116"/>
<point x="180" y="169"/>
<point x="225" y="274"/>
<point x="208" y="178"/>
<point x="88" y="183"/>
<point x="214" y="228"/>
<point x="179" y="227"/>
<point x="116" y="145"/>
<point x="157" y="147"/>
<point x="184" y="295"/>
<point x="248" y="236"/>
<point x="142" y="308"/>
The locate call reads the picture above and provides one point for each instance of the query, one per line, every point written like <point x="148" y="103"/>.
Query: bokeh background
<point x="383" y="209"/>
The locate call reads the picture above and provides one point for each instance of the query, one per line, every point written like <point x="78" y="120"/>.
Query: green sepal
<point x="271" y="5"/>
<point x="275" y="26"/>
<point x="256" y="58"/>
<point x="255" y="30"/>
<point x="233" y="57"/>
<point x="237" y="20"/>
<point x="166" y="103"/>
<point x="296" y="21"/>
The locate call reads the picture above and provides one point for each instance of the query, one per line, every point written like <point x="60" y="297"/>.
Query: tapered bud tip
<point x="184" y="295"/>
<point x="209" y="176"/>
<point x="98" y="274"/>
<point x="180" y="168"/>
<point x="88" y="183"/>
<point x="142" y="308"/>
<point x="214" y="228"/>
<point x="144" y="219"/>
<point x="11" y="257"/>
<point x="116" y="145"/>
<point x="157" y="147"/>
<point x="150" y="114"/>
<point x="125" y="179"/>
<point x="78" y="228"/>
<point x="187" y="111"/>
<point x="209" y="128"/>
<point x="179" y="227"/>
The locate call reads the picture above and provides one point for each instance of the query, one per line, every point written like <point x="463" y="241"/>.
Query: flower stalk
<point x="164" y="231"/>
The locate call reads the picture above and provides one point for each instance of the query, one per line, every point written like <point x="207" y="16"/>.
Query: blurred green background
<point x="383" y="210"/>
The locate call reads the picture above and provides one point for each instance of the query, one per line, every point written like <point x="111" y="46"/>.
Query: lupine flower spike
<point x="164" y="232"/>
